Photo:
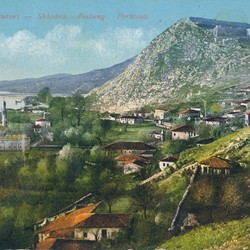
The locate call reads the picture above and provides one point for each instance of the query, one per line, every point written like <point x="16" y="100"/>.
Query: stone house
<point x="183" y="132"/>
<point x="215" y="165"/>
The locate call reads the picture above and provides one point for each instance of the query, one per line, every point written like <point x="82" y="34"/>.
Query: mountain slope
<point x="66" y="83"/>
<point x="182" y="62"/>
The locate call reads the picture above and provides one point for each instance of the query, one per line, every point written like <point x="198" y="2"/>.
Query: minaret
<point x="4" y="114"/>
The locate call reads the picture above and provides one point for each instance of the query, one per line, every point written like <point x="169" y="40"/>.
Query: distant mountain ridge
<point x="190" y="58"/>
<point x="66" y="83"/>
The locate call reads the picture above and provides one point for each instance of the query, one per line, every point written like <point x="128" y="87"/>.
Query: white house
<point x="168" y="162"/>
<point x="43" y="123"/>
<point x="101" y="226"/>
<point x="215" y="121"/>
<point x="127" y="119"/>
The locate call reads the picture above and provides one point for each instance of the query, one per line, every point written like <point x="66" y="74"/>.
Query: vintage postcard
<point x="125" y="124"/>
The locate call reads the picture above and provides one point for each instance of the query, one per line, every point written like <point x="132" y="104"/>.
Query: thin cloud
<point x="67" y="49"/>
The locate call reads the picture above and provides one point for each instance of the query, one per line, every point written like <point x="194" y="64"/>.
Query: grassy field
<point x="230" y="235"/>
<point x="122" y="132"/>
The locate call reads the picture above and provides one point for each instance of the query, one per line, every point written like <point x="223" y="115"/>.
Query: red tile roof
<point x="65" y="244"/>
<point x="106" y="221"/>
<point x="46" y="244"/>
<point x="216" y="162"/>
<point x="131" y="157"/>
<point x="136" y="162"/>
<point x="69" y="221"/>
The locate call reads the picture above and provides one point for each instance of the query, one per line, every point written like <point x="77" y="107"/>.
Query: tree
<point x="7" y="218"/>
<point x="112" y="187"/>
<point x="143" y="196"/>
<point x="69" y="165"/>
<point x="44" y="95"/>
<point x="77" y="104"/>
<point x="177" y="146"/>
<point x="42" y="174"/>
<point x="57" y="108"/>
<point x="204" y="131"/>
<point x="215" y="108"/>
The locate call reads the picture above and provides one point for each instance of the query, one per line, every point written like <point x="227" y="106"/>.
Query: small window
<point x="85" y="235"/>
<point x="104" y="233"/>
<point x="205" y="170"/>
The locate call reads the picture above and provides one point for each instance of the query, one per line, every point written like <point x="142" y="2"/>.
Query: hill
<point x="192" y="59"/>
<point x="66" y="83"/>
<point x="230" y="235"/>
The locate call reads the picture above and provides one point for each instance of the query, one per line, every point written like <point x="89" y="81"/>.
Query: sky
<point x="46" y="37"/>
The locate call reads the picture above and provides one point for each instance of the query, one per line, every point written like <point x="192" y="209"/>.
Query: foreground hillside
<point x="226" y="235"/>
<point x="185" y="61"/>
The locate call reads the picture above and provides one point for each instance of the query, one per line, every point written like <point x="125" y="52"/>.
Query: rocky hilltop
<point x="185" y="61"/>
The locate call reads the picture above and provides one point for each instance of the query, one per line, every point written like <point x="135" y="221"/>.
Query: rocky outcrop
<point x="184" y="62"/>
